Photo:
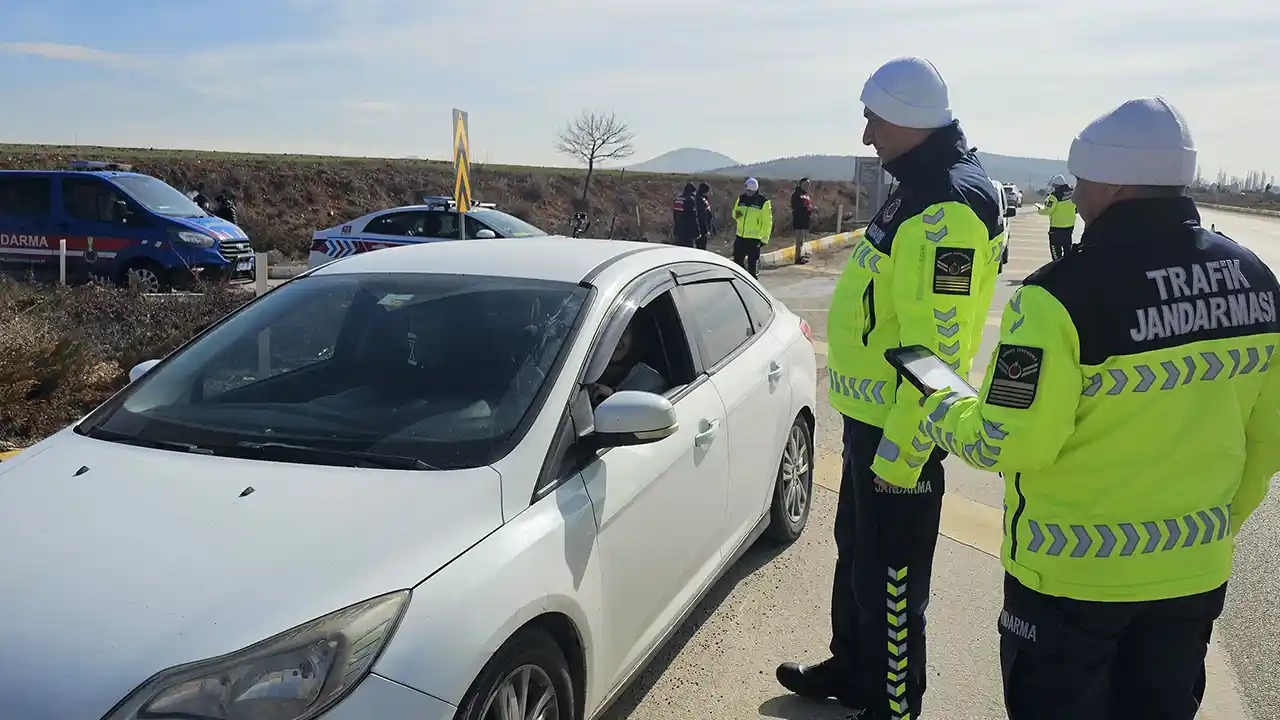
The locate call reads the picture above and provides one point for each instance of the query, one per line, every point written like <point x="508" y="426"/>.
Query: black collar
<point x="939" y="151"/>
<point x="1142" y="217"/>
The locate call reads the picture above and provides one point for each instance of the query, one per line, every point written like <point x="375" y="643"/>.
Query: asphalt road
<point x="775" y="606"/>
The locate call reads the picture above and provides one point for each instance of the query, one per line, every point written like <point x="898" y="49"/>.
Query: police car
<point x="435" y="220"/>
<point x="117" y="224"/>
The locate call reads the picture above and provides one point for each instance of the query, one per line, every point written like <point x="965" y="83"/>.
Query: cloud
<point x="74" y="53"/>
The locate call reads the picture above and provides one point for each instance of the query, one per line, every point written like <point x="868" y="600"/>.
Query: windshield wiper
<point x="345" y="457"/>
<point x="98" y="433"/>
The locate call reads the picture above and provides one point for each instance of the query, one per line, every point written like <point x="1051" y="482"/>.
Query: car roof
<point x="553" y="257"/>
<point x="107" y="174"/>
<point x="433" y="206"/>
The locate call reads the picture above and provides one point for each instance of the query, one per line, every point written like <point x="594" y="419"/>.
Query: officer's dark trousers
<point x="1073" y="660"/>
<point x="1059" y="241"/>
<point x="746" y="253"/>
<point x="885" y="541"/>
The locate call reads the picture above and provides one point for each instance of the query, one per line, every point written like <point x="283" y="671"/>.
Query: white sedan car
<point x="435" y="221"/>
<point x="471" y="480"/>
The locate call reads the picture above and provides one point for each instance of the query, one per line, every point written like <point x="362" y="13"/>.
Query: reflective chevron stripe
<point x="871" y="391"/>
<point x="888" y="450"/>
<point x="1015" y="304"/>
<point x="1144" y="538"/>
<point x="867" y="256"/>
<point x="947" y="324"/>
<point x="1170" y="374"/>
<point x="896" y="617"/>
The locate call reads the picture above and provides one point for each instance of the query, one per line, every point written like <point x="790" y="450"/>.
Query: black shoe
<point x="820" y="682"/>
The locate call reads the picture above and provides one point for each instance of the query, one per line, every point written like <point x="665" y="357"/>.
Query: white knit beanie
<point x="1142" y="142"/>
<point x="908" y="92"/>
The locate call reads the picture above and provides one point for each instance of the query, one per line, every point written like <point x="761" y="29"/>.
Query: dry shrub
<point x="63" y="351"/>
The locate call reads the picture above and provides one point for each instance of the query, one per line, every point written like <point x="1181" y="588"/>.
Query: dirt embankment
<point x="285" y="198"/>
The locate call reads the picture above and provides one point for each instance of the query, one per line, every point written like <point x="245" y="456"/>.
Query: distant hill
<point x="685" y="161"/>
<point x="1025" y="172"/>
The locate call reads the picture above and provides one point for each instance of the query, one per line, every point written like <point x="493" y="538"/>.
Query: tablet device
<point x="926" y="371"/>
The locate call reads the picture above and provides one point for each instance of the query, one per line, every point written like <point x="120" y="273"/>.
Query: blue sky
<point x="754" y="79"/>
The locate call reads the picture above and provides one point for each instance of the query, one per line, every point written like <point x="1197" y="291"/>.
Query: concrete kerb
<point x="1242" y="210"/>
<point x="787" y="255"/>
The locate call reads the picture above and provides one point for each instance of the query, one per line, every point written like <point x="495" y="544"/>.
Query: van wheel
<point x="793" y="490"/>
<point x="527" y="679"/>
<point x="146" y="275"/>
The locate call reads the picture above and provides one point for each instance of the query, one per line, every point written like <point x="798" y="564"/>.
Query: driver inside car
<point x="626" y="371"/>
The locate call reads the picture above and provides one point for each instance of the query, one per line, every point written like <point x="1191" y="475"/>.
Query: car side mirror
<point x="141" y="369"/>
<point x="486" y="234"/>
<point x="630" y="417"/>
<point x="1011" y="211"/>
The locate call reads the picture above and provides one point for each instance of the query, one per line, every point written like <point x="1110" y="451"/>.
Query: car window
<point x="507" y="226"/>
<point x="407" y="223"/>
<point x="24" y="196"/>
<point x="159" y="197"/>
<point x="436" y="367"/>
<point x="758" y="306"/>
<point x="440" y="225"/>
<point x="720" y="317"/>
<point x="91" y="199"/>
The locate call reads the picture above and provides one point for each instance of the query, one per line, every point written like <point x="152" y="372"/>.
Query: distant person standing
<point x="753" y="221"/>
<point x="1061" y="210"/>
<point x="226" y="208"/>
<point x="705" y="217"/>
<point x="685" y="224"/>
<point x="801" y="217"/>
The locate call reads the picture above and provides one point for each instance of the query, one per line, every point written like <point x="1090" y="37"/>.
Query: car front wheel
<point x="794" y="487"/>
<point x="527" y="679"/>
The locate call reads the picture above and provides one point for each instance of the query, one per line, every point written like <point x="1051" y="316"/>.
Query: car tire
<point x="793" y="489"/>
<point x="149" y="276"/>
<point x="530" y="659"/>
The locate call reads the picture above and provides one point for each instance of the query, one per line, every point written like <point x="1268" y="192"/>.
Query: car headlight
<point x="296" y="675"/>
<point x="194" y="238"/>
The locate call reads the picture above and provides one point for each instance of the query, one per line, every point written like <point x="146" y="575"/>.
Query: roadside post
<point x="62" y="261"/>
<point x="840" y="216"/>
<point x="260" y="273"/>
<point x="461" y="170"/>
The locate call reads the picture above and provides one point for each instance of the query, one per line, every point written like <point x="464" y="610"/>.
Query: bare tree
<point x="593" y="139"/>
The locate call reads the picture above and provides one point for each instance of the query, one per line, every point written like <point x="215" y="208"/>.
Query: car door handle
<point x="775" y="371"/>
<point x="708" y="432"/>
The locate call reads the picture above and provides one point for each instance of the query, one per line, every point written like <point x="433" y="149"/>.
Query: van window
<point x="158" y="197"/>
<point x="24" y="196"/>
<point x="91" y="199"/>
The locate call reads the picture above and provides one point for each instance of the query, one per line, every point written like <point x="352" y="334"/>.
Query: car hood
<point x="152" y="558"/>
<point x="215" y="226"/>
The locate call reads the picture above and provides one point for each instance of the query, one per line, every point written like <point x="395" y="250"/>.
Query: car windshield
<point x="350" y="369"/>
<point x="506" y="225"/>
<point x="158" y="197"/>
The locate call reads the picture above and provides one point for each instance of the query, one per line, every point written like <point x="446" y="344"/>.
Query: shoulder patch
<point x="890" y="209"/>
<point x="1016" y="376"/>
<point x="952" y="270"/>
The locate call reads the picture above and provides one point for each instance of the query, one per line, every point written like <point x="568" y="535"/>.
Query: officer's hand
<point x="882" y="484"/>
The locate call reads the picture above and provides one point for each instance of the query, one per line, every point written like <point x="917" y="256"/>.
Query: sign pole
<point x="461" y="170"/>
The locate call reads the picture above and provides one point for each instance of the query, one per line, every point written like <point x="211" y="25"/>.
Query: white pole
<point x="62" y="261"/>
<point x="839" y="217"/>
<point x="260" y="272"/>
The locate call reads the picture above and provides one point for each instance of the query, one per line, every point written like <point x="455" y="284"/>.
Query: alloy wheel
<point x="795" y="476"/>
<point x="526" y="693"/>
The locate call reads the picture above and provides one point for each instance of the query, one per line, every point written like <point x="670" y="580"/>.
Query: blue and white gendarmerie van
<point x="435" y="220"/>
<point x="118" y="224"/>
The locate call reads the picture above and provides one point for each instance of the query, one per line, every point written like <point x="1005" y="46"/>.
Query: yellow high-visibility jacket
<point x="1061" y="211"/>
<point x="1136" y="429"/>
<point x="923" y="273"/>
<point x="753" y="215"/>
